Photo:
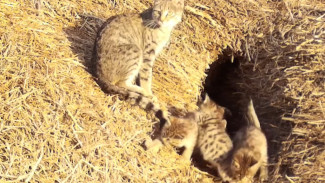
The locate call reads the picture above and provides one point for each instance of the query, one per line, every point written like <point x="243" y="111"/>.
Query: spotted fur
<point x="203" y="129"/>
<point x="214" y="143"/>
<point x="249" y="153"/>
<point x="182" y="132"/>
<point x="127" y="46"/>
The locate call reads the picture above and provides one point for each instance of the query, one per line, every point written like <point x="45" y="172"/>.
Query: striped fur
<point x="140" y="100"/>
<point x="249" y="153"/>
<point x="182" y="132"/>
<point x="214" y="143"/>
<point x="203" y="129"/>
<point x="127" y="46"/>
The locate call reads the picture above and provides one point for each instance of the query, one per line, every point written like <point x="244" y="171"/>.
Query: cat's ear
<point x="223" y="124"/>
<point x="180" y="2"/>
<point x="203" y="99"/>
<point x="206" y="99"/>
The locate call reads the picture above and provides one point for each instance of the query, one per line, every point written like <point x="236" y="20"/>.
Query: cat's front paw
<point x="148" y="143"/>
<point x="263" y="177"/>
<point x="148" y="93"/>
<point x="153" y="98"/>
<point x="152" y="145"/>
<point x="263" y="174"/>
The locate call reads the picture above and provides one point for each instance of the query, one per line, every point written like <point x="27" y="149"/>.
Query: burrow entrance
<point x="230" y="81"/>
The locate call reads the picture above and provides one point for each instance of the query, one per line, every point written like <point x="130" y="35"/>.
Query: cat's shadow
<point x="82" y="38"/>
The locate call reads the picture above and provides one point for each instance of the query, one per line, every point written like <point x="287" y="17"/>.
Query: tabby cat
<point x="249" y="153"/>
<point x="203" y="129"/>
<point x="182" y="132"/>
<point x="126" y="48"/>
<point x="213" y="142"/>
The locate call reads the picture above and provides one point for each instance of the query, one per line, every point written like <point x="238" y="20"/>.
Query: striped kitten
<point x="182" y="132"/>
<point x="126" y="48"/>
<point x="203" y="129"/>
<point x="213" y="141"/>
<point x="249" y="153"/>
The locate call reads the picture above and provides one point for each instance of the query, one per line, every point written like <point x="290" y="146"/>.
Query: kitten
<point x="126" y="48"/>
<point x="182" y="132"/>
<point x="249" y="153"/>
<point x="213" y="141"/>
<point x="203" y="129"/>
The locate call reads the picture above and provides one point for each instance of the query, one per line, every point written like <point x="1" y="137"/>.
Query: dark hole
<point x="222" y="84"/>
<point x="228" y="84"/>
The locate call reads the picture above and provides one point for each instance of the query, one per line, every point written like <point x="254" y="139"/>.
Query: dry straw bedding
<point x="56" y="125"/>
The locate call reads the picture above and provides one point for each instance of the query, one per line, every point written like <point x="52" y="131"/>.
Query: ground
<point x="56" y="125"/>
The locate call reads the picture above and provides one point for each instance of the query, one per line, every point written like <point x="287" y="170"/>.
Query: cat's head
<point x="244" y="164"/>
<point x="209" y="109"/>
<point x="178" y="129"/>
<point x="167" y="13"/>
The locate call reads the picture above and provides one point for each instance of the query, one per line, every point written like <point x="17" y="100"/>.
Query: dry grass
<point x="57" y="125"/>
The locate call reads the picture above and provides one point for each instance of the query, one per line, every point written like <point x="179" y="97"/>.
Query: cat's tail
<point x="251" y="115"/>
<point x="140" y="100"/>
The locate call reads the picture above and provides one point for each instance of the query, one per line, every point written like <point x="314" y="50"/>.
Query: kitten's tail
<point x="140" y="100"/>
<point x="251" y="115"/>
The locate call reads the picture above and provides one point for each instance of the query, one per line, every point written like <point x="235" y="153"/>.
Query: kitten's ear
<point x="223" y="124"/>
<point x="180" y="2"/>
<point x="204" y="99"/>
<point x="207" y="99"/>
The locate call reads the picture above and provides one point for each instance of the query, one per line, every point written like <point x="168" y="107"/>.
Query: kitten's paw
<point x="263" y="177"/>
<point x="152" y="145"/>
<point x="263" y="174"/>
<point x="154" y="99"/>
<point x="147" y="93"/>
<point x="148" y="143"/>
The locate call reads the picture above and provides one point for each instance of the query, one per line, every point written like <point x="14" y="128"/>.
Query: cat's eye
<point x="170" y="14"/>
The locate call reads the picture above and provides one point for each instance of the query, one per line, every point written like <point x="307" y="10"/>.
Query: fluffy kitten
<point x="182" y="132"/>
<point x="213" y="141"/>
<point x="249" y="153"/>
<point x="126" y="48"/>
<point x="203" y="129"/>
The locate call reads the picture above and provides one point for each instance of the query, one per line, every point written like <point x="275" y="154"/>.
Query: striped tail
<point x="251" y="115"/>
<point x="138" y="99"/>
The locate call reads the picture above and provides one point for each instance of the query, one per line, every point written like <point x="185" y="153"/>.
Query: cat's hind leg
<point x="129" y="68"/>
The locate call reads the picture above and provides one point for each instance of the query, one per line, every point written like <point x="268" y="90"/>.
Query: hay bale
<point x="57" y="125"/>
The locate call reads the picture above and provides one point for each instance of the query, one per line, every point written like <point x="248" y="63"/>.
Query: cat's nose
<point x="159" y="22"/>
